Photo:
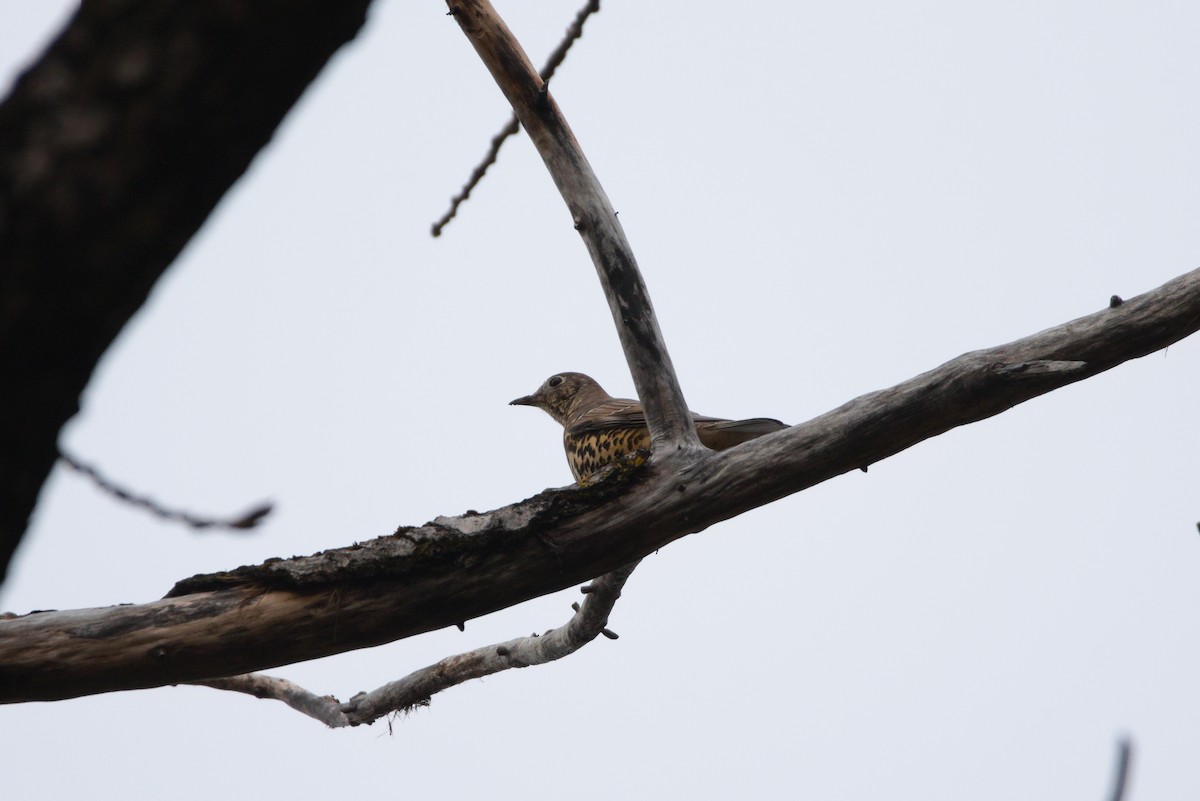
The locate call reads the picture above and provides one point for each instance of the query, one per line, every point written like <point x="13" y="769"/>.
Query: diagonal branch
<point x="574" y="31"/>
<point x="324" y="708"/>
<point x="416" y="689"/>
<point x="628" y="299"/>
<point x="457" y="568"/>
<point x="246" y="520"/>
<point x="114" y="148"/>
<point x="585" y="625"/>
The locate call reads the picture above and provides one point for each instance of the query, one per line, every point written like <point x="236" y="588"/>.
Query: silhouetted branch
<point x="168" y="102"/>
<point x="574" y="31"/>
<point x="1121" y="772"/>
<point x="247" y="520"/>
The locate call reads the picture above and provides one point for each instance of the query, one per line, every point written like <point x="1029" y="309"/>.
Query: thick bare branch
<point x="452" y="569"/>
<point x="417" y="688"/>
<point x="645" y="350"/>
<point x="114" y="148"/>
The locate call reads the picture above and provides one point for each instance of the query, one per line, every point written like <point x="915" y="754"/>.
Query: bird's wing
<point x="753" y="425"/>
<point x="611" y="414"/>
<point x="715" y="432"/>
<point x="722" y="434"/>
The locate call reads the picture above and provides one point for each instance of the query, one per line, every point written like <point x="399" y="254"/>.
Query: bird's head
<point x="563" y="395"/>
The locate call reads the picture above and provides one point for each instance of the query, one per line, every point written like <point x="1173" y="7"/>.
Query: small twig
<point x="1121" y="774"/>
<point x="247" y="520"/>
<point x="415" y="690"/>
<point x="574" y="31"/>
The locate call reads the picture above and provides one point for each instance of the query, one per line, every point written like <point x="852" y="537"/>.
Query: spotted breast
<point x="598" y="428"/>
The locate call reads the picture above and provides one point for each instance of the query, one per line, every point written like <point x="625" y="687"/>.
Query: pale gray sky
<point x="825" y="199"/>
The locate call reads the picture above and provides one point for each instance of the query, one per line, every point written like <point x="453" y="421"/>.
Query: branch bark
<point x="589" y="621"/>
<point x="416" y="689"/>
<point x="114" y="148"/>
<point x="452" y="569"/>
<point x="653" y="374"/>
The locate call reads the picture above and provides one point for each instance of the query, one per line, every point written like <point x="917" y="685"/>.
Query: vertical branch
<point x="653" y="374"/>
<point x="1121" y="769"/>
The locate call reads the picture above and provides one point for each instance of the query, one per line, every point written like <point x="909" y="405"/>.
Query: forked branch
<point x="457" y="568"/>
<point x="416" y="689"/>
<point x="574" y="31"/>
<point x="628" y="299"/>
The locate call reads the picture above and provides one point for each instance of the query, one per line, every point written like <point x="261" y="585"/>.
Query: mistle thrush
<point x="598" y="428"/>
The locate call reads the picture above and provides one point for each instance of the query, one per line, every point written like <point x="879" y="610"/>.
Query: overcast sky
<point x="825" y="199"/>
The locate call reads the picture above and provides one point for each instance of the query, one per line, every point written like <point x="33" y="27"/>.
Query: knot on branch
<point x="1038" y="368"/>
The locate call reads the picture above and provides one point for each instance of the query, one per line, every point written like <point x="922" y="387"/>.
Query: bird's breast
<point x="587" y="452"/>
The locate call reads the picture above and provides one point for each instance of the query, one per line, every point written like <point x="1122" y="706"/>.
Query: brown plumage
<point x="597" y="428"/>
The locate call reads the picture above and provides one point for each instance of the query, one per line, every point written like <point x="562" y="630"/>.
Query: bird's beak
<point x="526" y="400"/>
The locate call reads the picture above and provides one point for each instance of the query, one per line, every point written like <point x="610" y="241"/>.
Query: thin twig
<point x="574" y="31"/>
<point x="415" y="690"/>
<point x="247" y="520"/>
<point x="1121" y="773"/>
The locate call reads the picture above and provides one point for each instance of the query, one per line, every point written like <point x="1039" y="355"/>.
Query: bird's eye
<point x="555" y="381"/>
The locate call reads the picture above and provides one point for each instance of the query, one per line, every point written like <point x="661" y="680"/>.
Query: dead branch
<point x="416" y="689"/>
<point x="574" y="31"/>
<point x="1121" y="768"/>
<point x="589" y="620"/>
<point x="246" y="520"/>
<point x="114" y="148"/>
<point x="593" y="216"/>
<point x="456" y="568"/>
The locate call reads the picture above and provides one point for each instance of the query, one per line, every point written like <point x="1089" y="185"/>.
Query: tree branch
<point x="243" y="522"/>
<point x="416" y="689"/>
<point x="653" y="374"/>
<point x="574" y="31"/>
<point x="1121" y="769"/>
<point x="114" y="148"/>
<point x="324" y="708"/>
<point x="456" y="568"/>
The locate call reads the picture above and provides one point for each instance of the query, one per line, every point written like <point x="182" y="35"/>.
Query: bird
<point x="598" y="428"/>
